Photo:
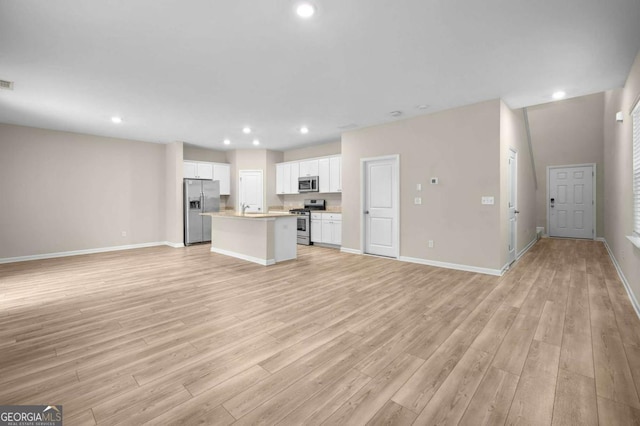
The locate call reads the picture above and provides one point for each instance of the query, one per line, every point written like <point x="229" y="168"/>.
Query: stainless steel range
<point x="304" y="221"/>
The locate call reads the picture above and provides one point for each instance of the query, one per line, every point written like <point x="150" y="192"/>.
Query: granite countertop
<point x="235" y="214"/>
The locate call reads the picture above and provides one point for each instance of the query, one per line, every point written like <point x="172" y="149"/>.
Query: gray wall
<point x="460" y="146"/>
<point x="568" y="132"/>
<point x="196" y="153"/>
<point x="513" y="135"/>
<point x="618" y="154"/>
<point x="322" y="150"/>
<point x="65" y="191"/>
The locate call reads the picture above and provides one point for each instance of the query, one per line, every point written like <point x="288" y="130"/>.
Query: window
<point x="636" y="169"/>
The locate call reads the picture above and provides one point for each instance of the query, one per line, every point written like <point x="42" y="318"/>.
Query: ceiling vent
<point x="4" y="84"/>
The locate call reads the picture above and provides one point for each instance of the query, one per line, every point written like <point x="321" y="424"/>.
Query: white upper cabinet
<point x="324" y="170"/>
<point x="222" y="173"/>
<point x="197" y="170"/>
<point x="335" y="174"/>
<point x="204" y="170"/>
<point x="308" y="168"/>
<point x="280" y="178"/>
<point x="286" y="178"/>
<point x="328" y="170"/>
<point x="190" y="170"/>
<point x="295" y="174"/>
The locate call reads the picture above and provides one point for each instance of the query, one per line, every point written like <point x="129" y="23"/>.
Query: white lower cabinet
<point x="316" y="231"/>
<point x="326" y="228"/>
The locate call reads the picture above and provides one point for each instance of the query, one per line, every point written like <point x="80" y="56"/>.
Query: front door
<point x="250" y="191"/>
<point x="381" y="206"/>
<point x="571" y="203"/>
<point x="512" y="212"/>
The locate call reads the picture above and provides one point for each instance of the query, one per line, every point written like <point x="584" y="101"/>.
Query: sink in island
<point x="263" y="238"/>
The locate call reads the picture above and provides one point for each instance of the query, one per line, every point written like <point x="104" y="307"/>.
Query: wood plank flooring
<point x="184" y="336"/>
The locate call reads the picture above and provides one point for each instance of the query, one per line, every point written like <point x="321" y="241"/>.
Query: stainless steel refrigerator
<point x="200" y="196"/>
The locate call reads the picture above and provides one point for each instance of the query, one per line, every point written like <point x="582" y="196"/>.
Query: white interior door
<point x="571" y="201"/>
<point x="250" y="191"/>
<point x="512" y="212"/>
<point x="381" y="200"/>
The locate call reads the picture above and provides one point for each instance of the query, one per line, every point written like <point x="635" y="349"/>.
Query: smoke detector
<point x="5" y="84"/>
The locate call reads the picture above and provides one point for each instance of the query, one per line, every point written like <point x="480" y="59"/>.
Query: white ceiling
<point x="198" y="70"/>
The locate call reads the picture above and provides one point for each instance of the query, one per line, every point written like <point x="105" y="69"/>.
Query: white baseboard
<point x="81" y="252"/>
<point x="601" y="239"/>
<point x="263" y="262"/>
<point x="526" y="249"/>
<point x="487" y="271"/>
<point x="174" y="245"/>
<point x="625" y="283"/>
<point x="350" y="250"/>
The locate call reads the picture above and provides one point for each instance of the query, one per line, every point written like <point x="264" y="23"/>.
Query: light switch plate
<point x="419" y="187"/>
<point x="417" y="201"/>
<point x="487" y="200"/>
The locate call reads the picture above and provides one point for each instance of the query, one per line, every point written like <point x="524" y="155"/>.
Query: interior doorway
<point x="381" y="200"/>
<point x="571" y="201"/>
<point x="250" y="191"/>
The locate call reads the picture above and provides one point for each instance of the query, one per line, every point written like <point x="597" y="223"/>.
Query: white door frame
<point x="363" y="178"/>
<point x="239" y="207"/>
<point x="595" y="204"/>
<point x="515" y="206"/>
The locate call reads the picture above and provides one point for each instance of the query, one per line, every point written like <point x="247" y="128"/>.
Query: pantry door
<point x="250" y="191"/>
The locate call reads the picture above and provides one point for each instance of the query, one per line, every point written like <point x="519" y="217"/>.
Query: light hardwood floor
<point x="182" y="336"/>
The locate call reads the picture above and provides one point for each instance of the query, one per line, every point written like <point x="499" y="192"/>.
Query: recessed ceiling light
<point x="305" y="10"/>
<point x="558" y="95"/>
<point x="227" y="142"/>
<point x="116" y="120"/>
<point x="246" y="130"/>
<point x="256" y="142"/>
<point x="422" y="106"/>
<point x="304" y="130"/>
<point x="395" y="113"/>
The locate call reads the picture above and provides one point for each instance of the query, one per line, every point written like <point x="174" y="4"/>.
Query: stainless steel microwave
<point x="308" y="184"/>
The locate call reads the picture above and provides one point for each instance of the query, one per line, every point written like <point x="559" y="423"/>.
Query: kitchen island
<point x="263" y="238"/>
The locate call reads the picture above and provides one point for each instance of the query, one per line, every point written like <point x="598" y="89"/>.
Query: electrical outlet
<point x="430" y="243"/>
<point x="487" y="200"/>
<point x="417" y="201"/>
<point x="124" y="233"/>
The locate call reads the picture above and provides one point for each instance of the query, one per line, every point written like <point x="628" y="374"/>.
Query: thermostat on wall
<point x="434" y="181"/>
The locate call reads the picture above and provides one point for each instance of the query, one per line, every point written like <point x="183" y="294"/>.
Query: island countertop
<point x="235" y="214"/>
<point x="263" y="238"/>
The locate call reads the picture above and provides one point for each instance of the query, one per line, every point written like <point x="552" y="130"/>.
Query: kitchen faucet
<point x="243" y="206"/>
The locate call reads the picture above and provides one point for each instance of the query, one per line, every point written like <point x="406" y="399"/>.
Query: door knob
<point x="516" y="211"/>
<point x="366" y="212"/>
